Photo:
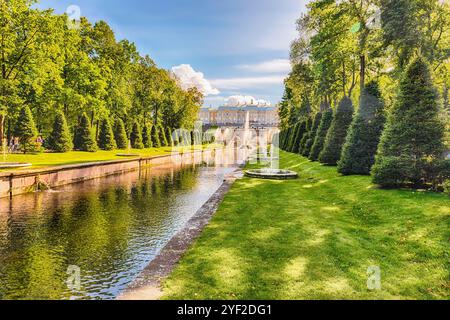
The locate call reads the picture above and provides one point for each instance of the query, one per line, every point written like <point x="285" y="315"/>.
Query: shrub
<point x="413" y="141"/>
<point x="84" y="139"/>
<point x="147" y="136"/>
<point x="120" y="134"/>
<point x="26" y="131"/>
<point x="136" y="137"/>
<point x="60" y="139"/>
<point x="155" y="137"/>
<point x="299" y="136"/>
<point x="319" y="141"/>
<point x="312" y="134"/>
<point x="106" y="136"/>
<point x="447" y="187"/>
<point x="337" y="133"/>
<point x="358" y="154"/>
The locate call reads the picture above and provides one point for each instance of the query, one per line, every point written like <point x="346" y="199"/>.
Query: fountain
<point x="273" y="173"/>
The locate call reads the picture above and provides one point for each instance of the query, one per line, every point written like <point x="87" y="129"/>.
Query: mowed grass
<point x="40" y="160"/>
<point x="43" y="160"/>
<point x="315" y="238"/>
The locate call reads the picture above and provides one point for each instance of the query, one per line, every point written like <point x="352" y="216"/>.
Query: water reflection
<point x="111" y="228"/>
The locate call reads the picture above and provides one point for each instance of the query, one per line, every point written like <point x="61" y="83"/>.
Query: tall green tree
<point x="312" y="134"/>
<point x="106" y="139"/>
<point x="146" y="136"/>
<point x="120" y="134"/>
<point x="84" y="139"/>
<point x="337" y="133"/>
<point x="136" y="137"/>
<point x="412" y="144"/>
<point x="319" y="141"/>
<point x="358" y="154"/>
<point x="26" y="130"/>
<point x="60" y="139"/>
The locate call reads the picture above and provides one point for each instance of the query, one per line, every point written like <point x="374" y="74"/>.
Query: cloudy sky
<point x="225" y="47"/>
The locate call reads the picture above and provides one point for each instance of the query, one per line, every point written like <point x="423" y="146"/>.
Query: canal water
<point x="105" y="230"/>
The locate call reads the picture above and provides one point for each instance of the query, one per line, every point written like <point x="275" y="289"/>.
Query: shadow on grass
<point x="272" y="240"/>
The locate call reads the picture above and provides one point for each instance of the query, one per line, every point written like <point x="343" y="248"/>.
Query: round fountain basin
<point x="14" y="165"/>
<point x="276" y="174"/>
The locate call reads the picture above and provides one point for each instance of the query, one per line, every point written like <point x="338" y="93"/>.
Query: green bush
<point x="120" y="134"/>
<point x="147" y="136"/>
<point x="84" y="139"/>
<point x="301" y="133"/>
<point x="337" y="133"/>
<point x="358" y="154"/>
<point x="413" y="142"/>
<point x="60" y="139"/>
<point x="447" y="187"/>
<point x="106" y="136"/>
<point x="136" y="137"/>
<point x="319" y="141"/>
<point x="292" y="139"/>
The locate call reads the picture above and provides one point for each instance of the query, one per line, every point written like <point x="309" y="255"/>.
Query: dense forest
<point x="377" y="73"/>
<point x="67" y="71"/>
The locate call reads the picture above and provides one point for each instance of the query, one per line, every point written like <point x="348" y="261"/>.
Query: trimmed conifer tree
<point x="162" y="136"/>
<point x="26" y="130"/>
<point x="169" y="136"/>
<point x="309" y="124"/>
<point x="147" y="136"/>
<point x="155" y="137"/>
<point x="120" y="134"/>
<point x="312" y="134"/>
<point x="337" y="134"/>
<point x="319" y="141"/>
<point x="60" y="139"/>
<point x="292" y="141"/>
<point x="136" y="136"/>
<point x="412" y="144"/>
<point x="358" y="154"/>
<point x="106" y="136"/>
<point x="84" y="139"/>
<point x="301" y="132"/>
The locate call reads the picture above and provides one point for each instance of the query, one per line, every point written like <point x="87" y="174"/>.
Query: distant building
<point x="230" y="116"/>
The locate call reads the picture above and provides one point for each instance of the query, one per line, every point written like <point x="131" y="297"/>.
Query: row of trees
<point x="402" y="147"/>
<point x="376" y="73"/>
<point x="83" y="72"/>
<point x="110" y="136"/>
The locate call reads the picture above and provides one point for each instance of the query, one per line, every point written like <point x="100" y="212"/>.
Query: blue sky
<point x="241" y="47"/>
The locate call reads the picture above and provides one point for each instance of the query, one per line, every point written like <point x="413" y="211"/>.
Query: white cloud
<point x="271" y="66"/>
<point x="235" y="101"/>
<point x="189" y="78"/>
<point x="247" y="82"/>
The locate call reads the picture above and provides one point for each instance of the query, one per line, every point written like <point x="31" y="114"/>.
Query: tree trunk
<point x="362" y="73"/>
<point x="2" y="129"/>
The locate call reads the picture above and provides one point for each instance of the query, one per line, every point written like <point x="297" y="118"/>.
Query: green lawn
<point x="40" y="160"/>
<point x="314" y="238"/>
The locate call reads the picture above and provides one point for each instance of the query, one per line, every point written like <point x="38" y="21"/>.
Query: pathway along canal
<point x="109" y="228"/>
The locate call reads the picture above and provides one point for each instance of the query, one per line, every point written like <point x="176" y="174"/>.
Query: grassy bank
<point x="314" y="238"/>
<point x="43" y="160"/>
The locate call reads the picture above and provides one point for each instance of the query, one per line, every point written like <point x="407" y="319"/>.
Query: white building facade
<point x="229" y="116"/>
